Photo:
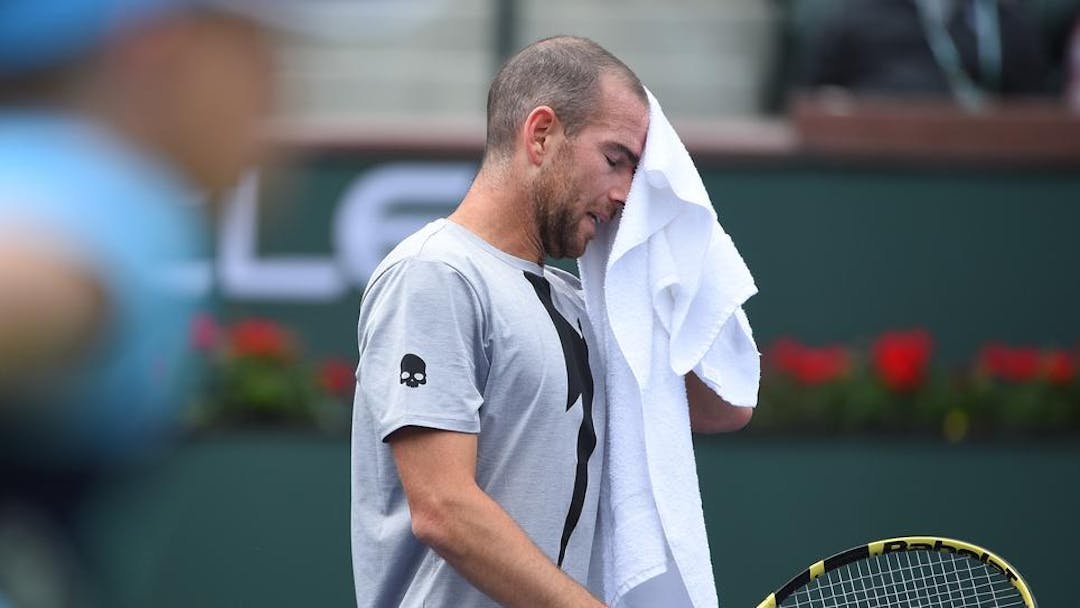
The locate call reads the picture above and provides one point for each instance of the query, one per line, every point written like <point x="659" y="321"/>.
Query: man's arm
<point x="711" y="414"/>
<point x="461" y="523"/>
<point x="50" y="310"/>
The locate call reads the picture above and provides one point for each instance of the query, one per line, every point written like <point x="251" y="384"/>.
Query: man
<point x="480" y="409"/>
<point x="115" y="117"/>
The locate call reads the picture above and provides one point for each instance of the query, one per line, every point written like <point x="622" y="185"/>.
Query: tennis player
<point x="479" y="414"/>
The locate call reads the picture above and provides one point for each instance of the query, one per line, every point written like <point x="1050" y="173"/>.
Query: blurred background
<point x="900" y="176"/>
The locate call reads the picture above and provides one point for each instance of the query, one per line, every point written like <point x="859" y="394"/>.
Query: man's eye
<point x="610" y="162"/>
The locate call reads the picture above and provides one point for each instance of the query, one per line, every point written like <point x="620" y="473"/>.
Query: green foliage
<point x="254" y="374"/>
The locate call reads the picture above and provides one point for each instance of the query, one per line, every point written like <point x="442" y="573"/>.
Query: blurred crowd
<point x="706" y="59"/>
<point x="974" y="51"/>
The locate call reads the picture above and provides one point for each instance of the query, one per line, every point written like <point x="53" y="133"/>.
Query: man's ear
<point x="539" y="133"/>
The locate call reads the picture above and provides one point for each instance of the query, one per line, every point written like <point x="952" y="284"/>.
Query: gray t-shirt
<point x="457" y="335"/>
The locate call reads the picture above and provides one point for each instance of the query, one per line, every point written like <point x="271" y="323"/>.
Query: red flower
<point x="205" y="332"/>
<point x="901" y="358"/>
<point x="810" y="365"/>
<point x="1022" y="364"/>
<point x="993" y="360"/>
<point x="1025" y="364"/>
<point x="1060" y="368"/>
<point x="336" y="377"/>
<point x="259" y="338"/>
<point x="785" y="355"/>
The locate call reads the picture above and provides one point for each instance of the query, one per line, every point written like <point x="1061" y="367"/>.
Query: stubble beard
<point x="552" y="197"/>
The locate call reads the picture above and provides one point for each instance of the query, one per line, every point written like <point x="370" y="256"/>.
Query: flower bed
<point x="253" y="372"/>
<point x="893" y="386"/>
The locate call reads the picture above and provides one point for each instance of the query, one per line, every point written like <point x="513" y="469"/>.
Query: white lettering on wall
<point x="380" y="208"/>
<point x="244" y="275"/>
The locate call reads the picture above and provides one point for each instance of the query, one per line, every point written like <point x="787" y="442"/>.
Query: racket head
<point x="888" y="573"/>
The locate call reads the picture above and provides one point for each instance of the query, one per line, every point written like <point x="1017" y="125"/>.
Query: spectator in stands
<point x="972" y="50"/>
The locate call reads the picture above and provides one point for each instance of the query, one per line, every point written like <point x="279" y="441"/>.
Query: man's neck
<point x="502" y="215"/>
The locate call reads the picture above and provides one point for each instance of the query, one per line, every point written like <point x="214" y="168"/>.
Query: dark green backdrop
<point x="839" y="252"/>
<point x="262" y="520"/>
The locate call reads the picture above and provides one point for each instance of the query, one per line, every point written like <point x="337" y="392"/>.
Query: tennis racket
<point x="907" y="572"/>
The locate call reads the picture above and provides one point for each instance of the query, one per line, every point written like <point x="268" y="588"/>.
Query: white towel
<point x="664" y="288"/>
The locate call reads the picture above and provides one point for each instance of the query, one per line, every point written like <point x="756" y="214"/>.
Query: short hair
<point x="561" y="72"/>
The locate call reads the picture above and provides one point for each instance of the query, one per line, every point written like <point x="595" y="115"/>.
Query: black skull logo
<point x="413" y="371"/>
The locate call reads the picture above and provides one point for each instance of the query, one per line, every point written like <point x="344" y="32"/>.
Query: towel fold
<point x="664" y="288"/>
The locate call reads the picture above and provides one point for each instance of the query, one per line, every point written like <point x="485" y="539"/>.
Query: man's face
<point x="587" y="179"/>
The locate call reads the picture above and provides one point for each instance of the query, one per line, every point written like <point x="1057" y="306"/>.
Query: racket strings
<point x="912" y="579"/>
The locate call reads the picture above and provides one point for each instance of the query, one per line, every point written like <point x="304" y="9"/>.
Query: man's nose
<point x="619" y="193"/>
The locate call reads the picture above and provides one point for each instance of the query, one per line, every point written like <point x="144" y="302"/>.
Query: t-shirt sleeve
<point x="422" y="358"/>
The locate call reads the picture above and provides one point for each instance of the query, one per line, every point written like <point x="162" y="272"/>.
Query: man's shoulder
<point x="433" y="248"/>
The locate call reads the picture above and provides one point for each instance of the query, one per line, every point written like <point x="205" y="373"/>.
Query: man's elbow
<point x="437" y="521"/>
<point x="431" y="522"/>
<point x="729" y="419"/>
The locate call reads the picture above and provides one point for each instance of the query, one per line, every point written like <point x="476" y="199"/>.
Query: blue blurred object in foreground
<point x="127" y="218"/>
<point x="102" y="159"/>
<point x="100" y="164"/>
<point x="36" y="34"/>
<point x="39" y="33"/>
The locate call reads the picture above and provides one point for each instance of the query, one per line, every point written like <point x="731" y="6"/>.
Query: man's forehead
<point x="624" y="115"/>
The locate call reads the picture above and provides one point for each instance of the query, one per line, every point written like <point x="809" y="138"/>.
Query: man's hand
<point x="461" y="523"/>
<point x="711" y="414"/>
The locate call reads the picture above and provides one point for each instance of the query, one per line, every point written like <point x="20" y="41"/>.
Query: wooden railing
<point x="1023" y="133"/>
<point x="1026" y="134"/>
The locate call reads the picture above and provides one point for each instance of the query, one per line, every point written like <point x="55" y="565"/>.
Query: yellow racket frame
<point x="900" y="543"/>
